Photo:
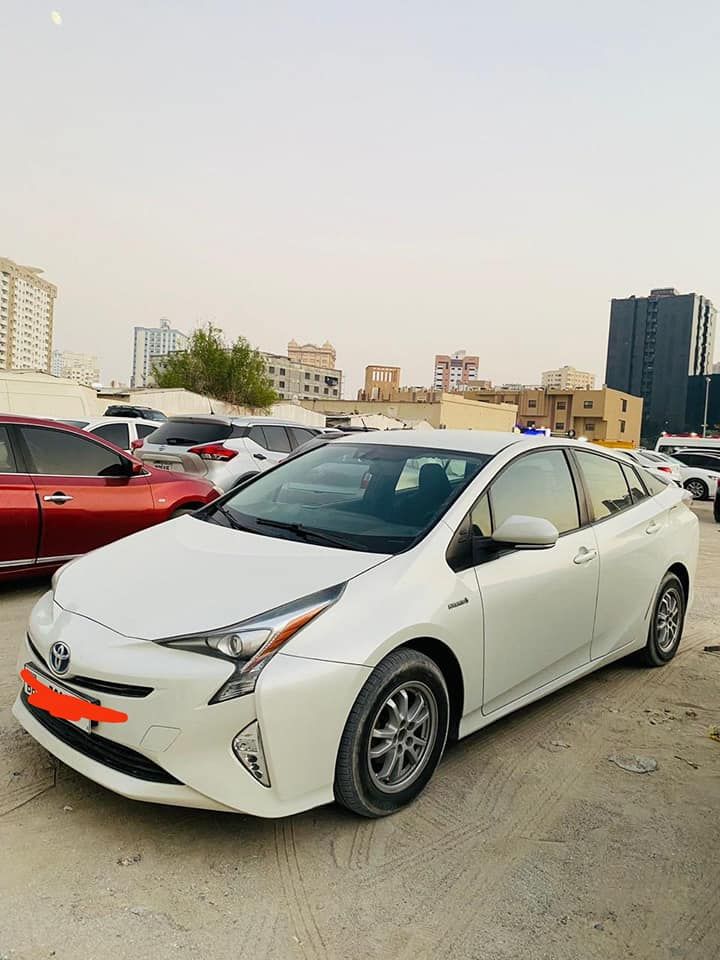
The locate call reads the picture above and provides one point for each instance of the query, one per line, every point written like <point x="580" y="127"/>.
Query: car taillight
<point x="665" y="469"/>
<point x="213" y="451"/>
<point x="136" y="444"/>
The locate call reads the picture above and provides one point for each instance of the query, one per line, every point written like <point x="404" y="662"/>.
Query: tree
<point x="233" y="373"/>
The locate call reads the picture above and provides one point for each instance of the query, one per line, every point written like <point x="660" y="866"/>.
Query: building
<point x="567" y="378"/>
<point x="150" y="344"/>
<point x="445" y="411"/>
<point x="454" y="372"/>
<point x="381" y="383"/>
<point x="608" y="415"/>
<point x="313" y="356"/>
<point x="78" y="367"/>
<point x="27" y="303"/>
<point x="293" y="380"/>
<point x="655" y="344"/>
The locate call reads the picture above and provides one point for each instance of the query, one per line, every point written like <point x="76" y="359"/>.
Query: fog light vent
<point x="247" y="747"/>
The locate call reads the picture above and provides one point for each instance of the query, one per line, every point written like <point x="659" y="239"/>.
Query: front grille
<point x="108" y="752"/>
<point x="91" y="683"/>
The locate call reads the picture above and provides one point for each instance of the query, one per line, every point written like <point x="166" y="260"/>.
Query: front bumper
<point x="301" y="706"/>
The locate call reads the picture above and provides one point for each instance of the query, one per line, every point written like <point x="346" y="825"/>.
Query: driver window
<point x="536" y="485"/>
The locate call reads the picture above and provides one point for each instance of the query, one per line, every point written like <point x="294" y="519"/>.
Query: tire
<point x="364" y="784"/>
<point x="698" y="488"/>
<point x="181" y="511"/>
<point x="669" y="609"/>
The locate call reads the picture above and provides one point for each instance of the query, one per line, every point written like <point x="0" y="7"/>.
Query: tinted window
<point x="606" y="484"/>
<point x="300" y="435"/>
<point x="55" y="452"/>
<point x="277" y="439"/>
<point x="537" y="485"/>
<point x="637" y="491"/>
<point x="257" y="435"/>
<point x="116" y="433"/>
<point x="703" y="460"/>
<point x="188" y="433"/>
<point x="144" y="430"/>
<point x="7" y="460"/>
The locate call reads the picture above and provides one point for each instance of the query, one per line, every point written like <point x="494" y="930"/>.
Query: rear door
<point x="19" y="511"/>
<point x="117" y="433"/>
<point x="268" y="444"/>
<point x="86" y="497"/>
<point x="631" y="528"/>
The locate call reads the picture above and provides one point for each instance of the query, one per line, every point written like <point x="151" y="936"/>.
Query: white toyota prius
<point x="322" y="631"/>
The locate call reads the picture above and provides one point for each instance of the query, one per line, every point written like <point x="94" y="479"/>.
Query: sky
<point x="401" y="178"/>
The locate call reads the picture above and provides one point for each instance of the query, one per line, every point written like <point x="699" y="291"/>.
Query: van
<point x="671" y="443"/>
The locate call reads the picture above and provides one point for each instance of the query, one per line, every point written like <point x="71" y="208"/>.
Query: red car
<point x="63" y="492"/>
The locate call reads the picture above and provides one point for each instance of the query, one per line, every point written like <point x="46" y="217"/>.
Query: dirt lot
<point x="520" y="849"/>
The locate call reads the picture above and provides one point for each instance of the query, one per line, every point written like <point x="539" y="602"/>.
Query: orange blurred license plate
<point x="84" y="722"/>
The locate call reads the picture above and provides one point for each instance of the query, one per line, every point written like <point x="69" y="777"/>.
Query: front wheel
<point x="698" y="488"/>
<point x="667" y="623"/>
<point x="394" y="736"/>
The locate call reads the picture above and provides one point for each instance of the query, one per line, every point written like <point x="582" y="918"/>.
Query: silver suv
<point x="223" y="450"/>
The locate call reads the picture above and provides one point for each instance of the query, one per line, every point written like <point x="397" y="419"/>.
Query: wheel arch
<point x="683" y="575"/>
<point x="449" y="665"/>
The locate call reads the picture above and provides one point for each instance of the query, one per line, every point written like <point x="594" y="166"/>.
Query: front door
<point x="538" y="605"/>
<point x="86" y="497"/>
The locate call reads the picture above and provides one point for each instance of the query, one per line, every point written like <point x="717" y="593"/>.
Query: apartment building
<point x="150" y="344"/>
<point x="293" y="380"/>
<point x="609" y="415"/>
<point x="26" y="317"/>
<point x="381" y="383"/>
<point x="567" y="378"/>
<point x="82" y="368"/>
<point x="454" y="372"/>
<point x="311" y="355"/>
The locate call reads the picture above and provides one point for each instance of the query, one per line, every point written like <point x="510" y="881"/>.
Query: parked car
<point x="671" y="443"/>
<point x="663" y="469"/>
<point x="63" y="493"/>
<point x="700" y="471"/>
<point x="225" y="450"/>
<point x="121" y="431"/>
<point x="299" y="649"/>
<point x="133" y="410"/>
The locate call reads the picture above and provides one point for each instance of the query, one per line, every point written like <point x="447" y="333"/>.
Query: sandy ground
<point x="518" y="850"/>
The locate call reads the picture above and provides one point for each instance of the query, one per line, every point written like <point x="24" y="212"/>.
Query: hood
<point x="188" y="575"/>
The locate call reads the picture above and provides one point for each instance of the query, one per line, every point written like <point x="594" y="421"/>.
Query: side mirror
<point x="526" y="533"/>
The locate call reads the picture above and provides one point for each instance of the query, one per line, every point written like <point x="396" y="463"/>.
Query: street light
<point x="707" y="397"/>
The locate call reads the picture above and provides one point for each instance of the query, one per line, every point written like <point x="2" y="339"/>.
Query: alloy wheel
<point x="667" y="619"/>
<point x="697" y="489"/>
<point x="402" y="736"/>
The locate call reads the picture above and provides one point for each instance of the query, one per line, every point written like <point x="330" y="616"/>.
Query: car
<point x="134" y="410"/>
<point x="64" y="493"/>
<point x="225" y="450"/>
<point x="671" y="443"/>
<point x="123" y="432"/>
<point x="663" y="468"/>
<point x="297" y="651"/>
<point x="700" y="471"/>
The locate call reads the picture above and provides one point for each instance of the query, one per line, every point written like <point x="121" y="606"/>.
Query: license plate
<point x="84" y="723"/>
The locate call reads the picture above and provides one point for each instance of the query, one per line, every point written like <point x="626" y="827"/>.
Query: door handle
<point x="260" y="456"/>
<point x="57" y="498"/>
<point x="653" y="527"/>
<point x="584" y="556"/>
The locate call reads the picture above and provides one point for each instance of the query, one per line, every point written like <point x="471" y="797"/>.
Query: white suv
<point x="224" y="450"/>
<point x="124" y="432"/>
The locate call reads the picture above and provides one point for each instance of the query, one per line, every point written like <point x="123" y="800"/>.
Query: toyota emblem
<point x="60" y="657"/>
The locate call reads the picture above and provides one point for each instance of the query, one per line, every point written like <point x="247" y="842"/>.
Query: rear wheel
<point x="394" y="736"/>
<point x="698" y="488"/>
<point x="667" y="623"/>
<point x="181" y="511"/>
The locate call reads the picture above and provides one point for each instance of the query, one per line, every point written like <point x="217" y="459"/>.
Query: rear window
<point x="188" y="433"/>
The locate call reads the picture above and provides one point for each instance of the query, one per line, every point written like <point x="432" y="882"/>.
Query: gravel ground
<point x="520" y="848"/>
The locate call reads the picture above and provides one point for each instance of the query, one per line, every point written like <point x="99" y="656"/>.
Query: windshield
<point x="375" y="497"/>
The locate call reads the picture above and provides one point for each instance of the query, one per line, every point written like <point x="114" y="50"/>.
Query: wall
<point x="31" y="394"/>
<point x="452" y="412"/>
<point x="178" y="401"/>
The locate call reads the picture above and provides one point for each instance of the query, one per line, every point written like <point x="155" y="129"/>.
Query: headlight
<point x="252" y="643"/>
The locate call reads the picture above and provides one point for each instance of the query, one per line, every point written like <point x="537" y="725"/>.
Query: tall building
<point x="381" y="383"/>
<point x="453" y="372"/>
<point x="150" y="343"/>
<point x="312" y="355"/>
<point x="655" y="343"/>
<point x="293" y="380"/>
<point x="26" y="317"/>
<point x="81" y="367"/>
<point x="568" y="378"/>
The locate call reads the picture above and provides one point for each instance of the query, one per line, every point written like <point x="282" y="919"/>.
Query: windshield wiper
<point x="235" y="524"/>
<point x="306" y="532"/>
